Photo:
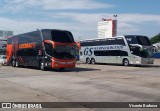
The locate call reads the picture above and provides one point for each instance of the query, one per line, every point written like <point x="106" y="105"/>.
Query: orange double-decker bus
<point x="46" y="48"/>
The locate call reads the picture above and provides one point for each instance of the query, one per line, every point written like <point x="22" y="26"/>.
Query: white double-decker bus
<point x="126" y="50"/>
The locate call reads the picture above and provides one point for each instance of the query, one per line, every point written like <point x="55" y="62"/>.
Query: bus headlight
<point x="56" y="61"/>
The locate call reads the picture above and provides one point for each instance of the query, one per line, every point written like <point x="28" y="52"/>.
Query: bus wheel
<point x="93" y="61"/>
<point x="13" y="63"/>
<point x="17" y="64"/>
<point x="42" y="67"/>
<point x="88" y="61"/>
<point x="126" y="62"/>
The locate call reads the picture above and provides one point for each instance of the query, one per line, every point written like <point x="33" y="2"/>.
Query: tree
<point x="155" y="39"/>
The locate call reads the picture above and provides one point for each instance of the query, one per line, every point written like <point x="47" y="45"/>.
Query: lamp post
<point x="115" y="16"/>
<point x="115" y="25"/>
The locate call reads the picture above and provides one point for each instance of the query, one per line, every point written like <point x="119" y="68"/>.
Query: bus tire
<point x="88" y="61"/>
<point x="42" y="66"/>
<point x="17" y="63"/>
<point x="13" y="63"/>
<point x="93" y="61"/>
<point x="125" y="62"/>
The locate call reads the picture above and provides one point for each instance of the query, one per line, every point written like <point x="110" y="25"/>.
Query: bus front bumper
<point x="148" y="61"/>
<point x="143" y="61"/>
<point x="63" y="64"/>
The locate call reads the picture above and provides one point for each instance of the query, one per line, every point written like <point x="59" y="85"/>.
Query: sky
<point x="140" y="17"/>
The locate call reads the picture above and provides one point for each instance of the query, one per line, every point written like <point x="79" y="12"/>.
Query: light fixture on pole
<point x="115" y="16"/>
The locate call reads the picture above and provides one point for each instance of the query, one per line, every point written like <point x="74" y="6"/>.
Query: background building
<point x="107" y="28"/>
<point x="4" y="33"/>
<point x="3" y="40"/>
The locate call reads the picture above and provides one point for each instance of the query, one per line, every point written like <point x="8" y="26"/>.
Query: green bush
<point x="155" y="39"/>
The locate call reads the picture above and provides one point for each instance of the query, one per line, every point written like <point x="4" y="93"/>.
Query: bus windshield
<point x="61" y="51"/>
<point x="62" y="36"/>
<point x="141" y="53"/>
<point x="141" y="40"/>
<point x="64" y="52"/>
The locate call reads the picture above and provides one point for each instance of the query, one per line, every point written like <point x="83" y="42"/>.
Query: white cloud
<point x="74" y="4"/>
<point x="18" y="5"/>
<point x="138" y="18"/>
<point x="127" y="23"/>
<point x="84" y="25"/>
<point x="81" y="24"/>
<point x="86" y="18"/>
<point x="22" y="26"/>
<point x="127" y="28"/>
<point x="14" y="1"/>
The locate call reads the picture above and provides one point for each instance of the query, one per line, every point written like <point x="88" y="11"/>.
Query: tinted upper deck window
<point x="131" y="39"/>
<point x="142" y="40"/>
<point x="98" y="42"/>
<point x="62" y="36"/>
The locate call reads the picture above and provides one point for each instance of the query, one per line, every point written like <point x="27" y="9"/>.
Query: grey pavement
<point x="85" y="83"/>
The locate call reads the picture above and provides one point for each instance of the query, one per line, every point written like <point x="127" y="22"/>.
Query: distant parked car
<point x="3" y="59"/>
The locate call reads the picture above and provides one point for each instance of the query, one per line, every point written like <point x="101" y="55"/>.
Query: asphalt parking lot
<point x="85" y="83"/>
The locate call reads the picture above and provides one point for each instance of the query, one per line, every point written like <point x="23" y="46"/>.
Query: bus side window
<point x="21" y="52"/>
<point x="48" y="48"/>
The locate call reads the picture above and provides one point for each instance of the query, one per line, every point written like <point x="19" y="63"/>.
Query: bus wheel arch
<point x="93" y="61"/>
<point x="88" y="61"/>
<point x="125" y="62"/>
